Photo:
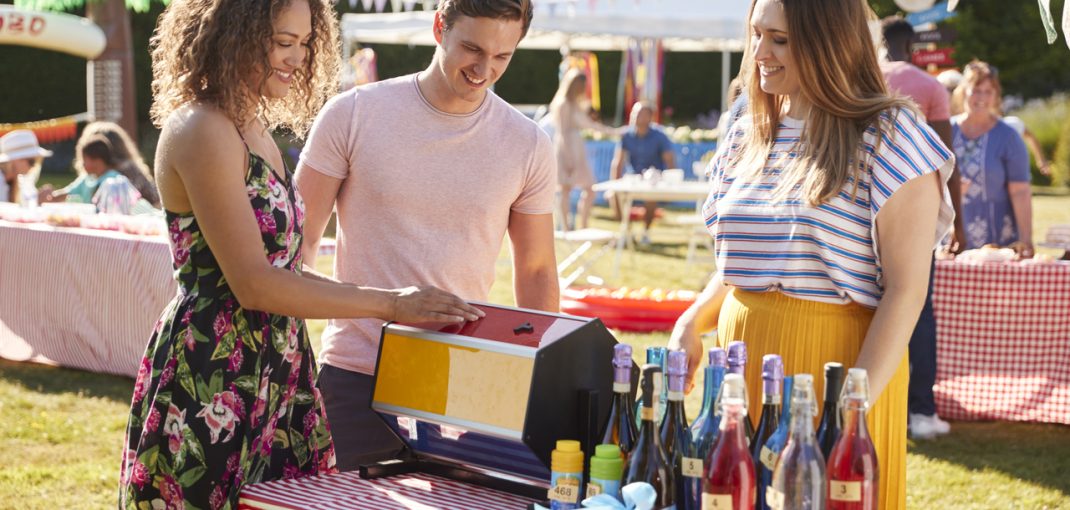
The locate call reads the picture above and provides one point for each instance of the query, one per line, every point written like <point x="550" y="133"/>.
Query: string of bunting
<point x="51" y="130"/>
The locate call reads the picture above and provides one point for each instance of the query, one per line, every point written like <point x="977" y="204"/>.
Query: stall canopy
<point x="682" y="25"/>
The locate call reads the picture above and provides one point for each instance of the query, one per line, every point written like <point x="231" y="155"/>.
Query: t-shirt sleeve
<point x="1015" y="157"/>
<point x="664" y="144"/>
<point x="328" y="149"/>
<point x="909" y="149"/>
<point x="939" y="103"/>
<point x="537" y="196"/>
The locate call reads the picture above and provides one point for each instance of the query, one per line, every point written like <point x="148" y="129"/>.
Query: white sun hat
<point x="21" y="144"/>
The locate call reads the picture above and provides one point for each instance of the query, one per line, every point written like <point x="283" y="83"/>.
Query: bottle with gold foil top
<point x="853" y="472"/>
<point x="730" y="480"/>
<point x="648" y="462"/>
<point x="566" y="475"/>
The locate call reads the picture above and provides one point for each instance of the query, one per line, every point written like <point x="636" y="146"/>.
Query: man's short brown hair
<point x="513" y="10"/>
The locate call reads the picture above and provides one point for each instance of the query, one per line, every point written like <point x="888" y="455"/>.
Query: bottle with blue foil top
<point x="566" y="475"/>
<point x="716" y="354"/>
<point x="656" y="356"/>
<point x="607" y="467"/>
<point x="772" y="448"/>
<point x="706" y="434"/>
<point x="737" y="363"/>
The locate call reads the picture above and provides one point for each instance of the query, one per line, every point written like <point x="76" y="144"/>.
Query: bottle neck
<point x="736" y="369"/>
<point x="854" y="419"/>
<point x="802" y="423"/>
<point x="732" y="422"/>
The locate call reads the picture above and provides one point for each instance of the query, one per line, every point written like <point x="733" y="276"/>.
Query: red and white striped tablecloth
<point x="1003" y="341"/>
<point x="80" y="298"/>
<point x="345" y="491"/>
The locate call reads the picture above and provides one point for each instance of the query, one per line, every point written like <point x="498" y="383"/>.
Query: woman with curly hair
<point x="827" y="198"/>
<point x="225" y="394"/>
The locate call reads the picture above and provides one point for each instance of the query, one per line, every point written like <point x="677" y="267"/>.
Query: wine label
<point x="677" y="396"/>
<point x="622" y="387"/>
<point x="850" y="492"/>
<point x="647" y="413"/>
<point x="593" y="489"/>
<point x="716" y="501"/>
<point x="566" y="490"/>
<point x="691" y="467"/>
<point x="768" y="458"/>
<point x="774" y="498"/>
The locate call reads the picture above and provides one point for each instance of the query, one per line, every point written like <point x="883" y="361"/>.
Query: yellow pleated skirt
<point x="808" y="334"/>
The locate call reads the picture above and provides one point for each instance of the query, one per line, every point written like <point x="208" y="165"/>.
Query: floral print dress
<point x="225" y="396"/>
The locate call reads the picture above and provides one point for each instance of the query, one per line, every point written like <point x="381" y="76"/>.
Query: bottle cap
<point x="803" y="399"/>
<point x="718" y="357"/>
<point x="607" y="463"/>
<point x="833" y="380"/>
<point x="737" y="354"/>
<point x="772" y="374"/>
<point x="622" y="363"/>
<point x="656" y="355"/>
<point x="677" y="370"/>
<point x="567" y="457"/>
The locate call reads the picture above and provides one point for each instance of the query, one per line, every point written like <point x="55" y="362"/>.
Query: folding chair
<point x="581" y="243"/>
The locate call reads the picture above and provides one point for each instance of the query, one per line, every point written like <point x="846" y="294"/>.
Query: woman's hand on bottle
<point x="685" y="337"/>
<point x="430" y="304"/>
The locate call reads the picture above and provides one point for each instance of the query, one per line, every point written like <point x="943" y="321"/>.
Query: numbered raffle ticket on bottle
<point x="848" y="492"/>
<point x="566" y="490"/>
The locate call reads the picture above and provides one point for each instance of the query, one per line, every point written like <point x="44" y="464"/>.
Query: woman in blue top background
<point x="996" y="198"/>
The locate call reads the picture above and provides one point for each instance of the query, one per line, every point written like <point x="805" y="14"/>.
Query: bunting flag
<point x="587" y="62"/>
<point x="366" y="4"/>
<point x="645" y="62"/>
<point x="51" y="130"/>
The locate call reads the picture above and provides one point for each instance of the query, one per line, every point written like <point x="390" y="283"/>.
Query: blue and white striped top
<point x="826" y="253"/>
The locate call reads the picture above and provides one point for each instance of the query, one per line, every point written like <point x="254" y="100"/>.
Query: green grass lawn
<point x="61" y="430"/>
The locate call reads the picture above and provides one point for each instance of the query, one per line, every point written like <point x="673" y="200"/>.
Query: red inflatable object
<point x="619" y="311"/>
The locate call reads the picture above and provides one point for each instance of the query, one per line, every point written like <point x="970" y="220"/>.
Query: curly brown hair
<point x="206" y="50"/>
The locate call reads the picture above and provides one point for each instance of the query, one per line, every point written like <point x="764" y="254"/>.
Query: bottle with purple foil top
<point x="772" y="387"/>
<point x="621" y="429"/>
<point x="656" y="356"/>
<point x="706" y="435"/>
<point x="675" y="435"/>
<point x="737" y="363"/>
<point x="716" y="358"/>
<point x="775" y="444"/>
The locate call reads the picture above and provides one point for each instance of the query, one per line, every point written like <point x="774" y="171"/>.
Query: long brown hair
<point x="839" y="76"/>
<point x="206" y="50"/>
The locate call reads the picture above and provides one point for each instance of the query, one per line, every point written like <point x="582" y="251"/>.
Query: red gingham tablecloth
<point x="344" y="491"/>
<point x="1003" y="341"/>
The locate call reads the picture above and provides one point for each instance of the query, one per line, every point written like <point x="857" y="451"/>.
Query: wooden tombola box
<point x="485" y="401"/>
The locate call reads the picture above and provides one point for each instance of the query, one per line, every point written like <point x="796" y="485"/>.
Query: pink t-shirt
<point x="929" y="94"/>
<point x="425" y="197"/>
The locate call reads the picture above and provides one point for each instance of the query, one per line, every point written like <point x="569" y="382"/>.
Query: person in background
<point x="642" y="146"/>
<point x="225" y="395"/>
<point x="568" y="111"/>
<point x="97" y="165"/>
<point x="428" y="172"/>
<point x="21" y="158"/>
<point x="127" y="159"/>
<point x="932" y="99"/>
<point x="997" y="201"/>
<point x="827" y="199"/>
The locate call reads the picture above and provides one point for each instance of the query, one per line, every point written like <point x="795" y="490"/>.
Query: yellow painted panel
<point x="489" y="387"/>
<point x="413" y="373"/>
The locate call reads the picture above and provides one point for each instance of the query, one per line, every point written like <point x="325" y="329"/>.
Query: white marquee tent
<point x="682" y="25"/>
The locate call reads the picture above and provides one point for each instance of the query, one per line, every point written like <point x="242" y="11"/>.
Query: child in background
<point x="98" y="165"/>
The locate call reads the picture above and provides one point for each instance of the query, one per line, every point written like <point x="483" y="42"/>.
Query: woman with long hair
<point x="997" y="200"/>
<point x="225" y="395"/>
<point x="127" y="158"/>
<point x="828" y="197"/>
<point x="569" y="115"/>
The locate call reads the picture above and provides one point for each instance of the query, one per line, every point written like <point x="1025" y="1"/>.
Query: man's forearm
<point x="537" y="288"/>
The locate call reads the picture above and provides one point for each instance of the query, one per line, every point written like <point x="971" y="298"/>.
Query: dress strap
<point x="238" y="129"/>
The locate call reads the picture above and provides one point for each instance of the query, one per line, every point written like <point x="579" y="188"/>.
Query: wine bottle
<point x="675" y="436"/>
<point x="716" y="357"/>
<point x="853" y="472"/>
<point x="799" y="477"/>
<point x="775" y="444"/>
<point x="706" y="435"/>
<point x="621" y="429"/>
<point x="828" y="430"/>
<point x="656" y="356"/>
<point x="772" y="386"/>
<point x="737" y="363"/>
<point x="648" y="461"/>
<point x="730" y="481"/>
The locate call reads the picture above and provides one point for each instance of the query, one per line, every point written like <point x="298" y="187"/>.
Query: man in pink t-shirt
<point x="428" y="172"/>
<point x="932" y="99"/>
